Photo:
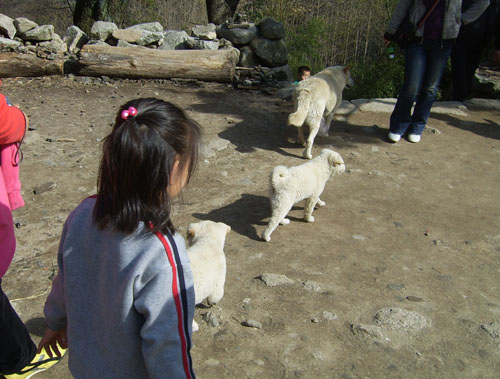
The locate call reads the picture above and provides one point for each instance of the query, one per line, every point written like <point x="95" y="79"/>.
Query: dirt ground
<point x="398" y="277"/>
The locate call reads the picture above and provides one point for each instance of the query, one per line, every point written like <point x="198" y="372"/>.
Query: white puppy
<point x="307" y="181"/>
<point x="208" y="262"/>
<point x="317" y="98"/>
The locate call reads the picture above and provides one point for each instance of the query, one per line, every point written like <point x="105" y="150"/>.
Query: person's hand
<point x="51" y="339"/>
<point x="497" y="57"/>
<point x="386" y="42"/>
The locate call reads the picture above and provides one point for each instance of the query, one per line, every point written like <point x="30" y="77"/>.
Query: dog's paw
<point x="320" y="203"/>
<point x="285" y="221"/>
<point x="306" y="155"/>
<point x="266" y="237"/>
<point x="309" y="218"/>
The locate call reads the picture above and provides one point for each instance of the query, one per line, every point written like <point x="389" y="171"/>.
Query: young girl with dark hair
<point x="123" y="299"/>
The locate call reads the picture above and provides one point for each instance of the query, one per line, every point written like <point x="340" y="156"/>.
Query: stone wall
<point x="262" y="49"/>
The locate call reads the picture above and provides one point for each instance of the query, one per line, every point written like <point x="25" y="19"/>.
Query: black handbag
<point x="405" y="34"/>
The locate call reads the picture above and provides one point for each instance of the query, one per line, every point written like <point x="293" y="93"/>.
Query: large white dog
<point x="317" y="98"/>
<point x="208" y="263"/>
<point x="307" y="181"/>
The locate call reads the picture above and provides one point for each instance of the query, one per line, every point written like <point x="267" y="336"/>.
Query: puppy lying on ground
<point x="307" y="181"/>
<point x="208" y="262"/>
<point x="316" y="98"/>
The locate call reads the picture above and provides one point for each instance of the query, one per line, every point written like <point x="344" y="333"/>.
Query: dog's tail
<point x="279" y="174"/>
<point x="302" y="101"/>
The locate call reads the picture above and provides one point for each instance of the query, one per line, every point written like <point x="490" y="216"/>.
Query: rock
<point x="198" y="44"/>
<point x="24" y="25"/>
<point x="486" y="85"/>
<point x="492" y="104"/>
<point x="273" y="280"/>
<point x="218" y="11"/>
<point x="237" y="35"/>
<point x="281" y="73"/>
<point x="127" y="35"/>
<point x="40" y="33"/>
<point x="395" y="286"/>
<point x="55" y="45"/>
<point x="400" y="320"/>
<point x="252" y="324"/>
<point x="375" y="105"/>
<point x="154" y="27"/>
<point x="271" y="29"/>
<point x="7" y="26"/>
<point x="122" y="43"/>
<point x="346" y="108"/>
<point x="149" y="38"/>
<point x="102" y="30"/>
<point x="9" y="43"/>
<point x="272" y="53"/>
<point x="311" y="286"/>
<point x="44" y="188"/>
<point x="211" y="319"/>
<point x="359" y="237"/>
<point x="75" y="38"/>
<point x="204" y="32"/>
<point x="493" y="329"/>
<point x="450" y="108"/>
<point x="363" y="330"/>
<point x="329" y="316"/>
<point x="247" y="57"/>
<point x="174" y="40"/>
<point x="286" y="93"/>
<point x="415" y="299"/>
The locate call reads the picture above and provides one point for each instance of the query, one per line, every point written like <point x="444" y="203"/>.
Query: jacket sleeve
<point x="400" y="12"/>
<point x="166" y="331"/>
<point x="474" y="11"/>
<point x="55" y="308"/>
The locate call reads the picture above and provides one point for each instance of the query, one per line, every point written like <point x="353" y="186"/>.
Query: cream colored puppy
<point x="307" y="181"/>
<point x="317" y="98"/>
<point x="208" y="263"/>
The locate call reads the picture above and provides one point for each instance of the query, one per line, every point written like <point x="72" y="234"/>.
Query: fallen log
<point x="16" y="64"/>
<point x="127" y="62"/>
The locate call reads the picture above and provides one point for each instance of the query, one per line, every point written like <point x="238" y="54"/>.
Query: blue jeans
<point x="424" y="67"/>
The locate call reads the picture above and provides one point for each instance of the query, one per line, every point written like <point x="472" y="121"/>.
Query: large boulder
<point x="102" y="30"/>
<point x="237" y="34"/>
<point x="7" y="43"/>
<point x="272" y="52"/>
<point x="55" y="45"/>
<point x="174" y="40"/>
<point x="24" y="25"/>
<point x="150" y="38"/>
<point x="154" y="27"/>
<point x="247" y="57"/>
<point x="75" y="38"/>
<point x="206" y="32"/>
<point x="199" y="44"/>
<point x="40" y="33"/>
<point x="7" y="27"/>
<point x="271" y="29"/>
<point x="127" y="35"/>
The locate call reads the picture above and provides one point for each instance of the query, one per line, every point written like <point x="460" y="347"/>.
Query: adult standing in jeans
<point x="425" y="58"/>
<point x="472" y="41"/>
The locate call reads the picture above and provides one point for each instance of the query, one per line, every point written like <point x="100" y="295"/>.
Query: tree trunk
<point x="206" y="65"/>
<point x="15" y="64"/>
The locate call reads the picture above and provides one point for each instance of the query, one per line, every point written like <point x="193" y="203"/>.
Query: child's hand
<point x="50" y="341"/>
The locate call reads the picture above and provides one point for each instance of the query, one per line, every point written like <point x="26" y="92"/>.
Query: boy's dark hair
<point x="302" y="69"/>
<point x="135" y="169"/>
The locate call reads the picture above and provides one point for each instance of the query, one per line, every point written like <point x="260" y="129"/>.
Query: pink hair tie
<point x="131" y="111"/>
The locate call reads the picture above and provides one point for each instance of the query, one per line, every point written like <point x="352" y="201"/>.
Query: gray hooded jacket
<point x="453" y="16"/>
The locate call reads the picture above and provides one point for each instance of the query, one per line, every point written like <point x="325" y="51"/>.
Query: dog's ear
<point x="334" y="159"/>
<point x="190" y="232"/>
<point x="347" y="68"/>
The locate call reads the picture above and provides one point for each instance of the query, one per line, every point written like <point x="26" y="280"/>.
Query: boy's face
<point x="304" y="75"/>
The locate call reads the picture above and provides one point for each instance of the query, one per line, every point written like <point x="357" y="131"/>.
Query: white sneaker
<point x="394" y="137"/>
<point x="414" y="138"/>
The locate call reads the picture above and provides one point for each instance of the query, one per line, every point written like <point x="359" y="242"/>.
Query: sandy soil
<point x="398" y="277"/>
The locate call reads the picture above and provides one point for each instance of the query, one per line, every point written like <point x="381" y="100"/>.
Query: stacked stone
<point x="25" y="36"/>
